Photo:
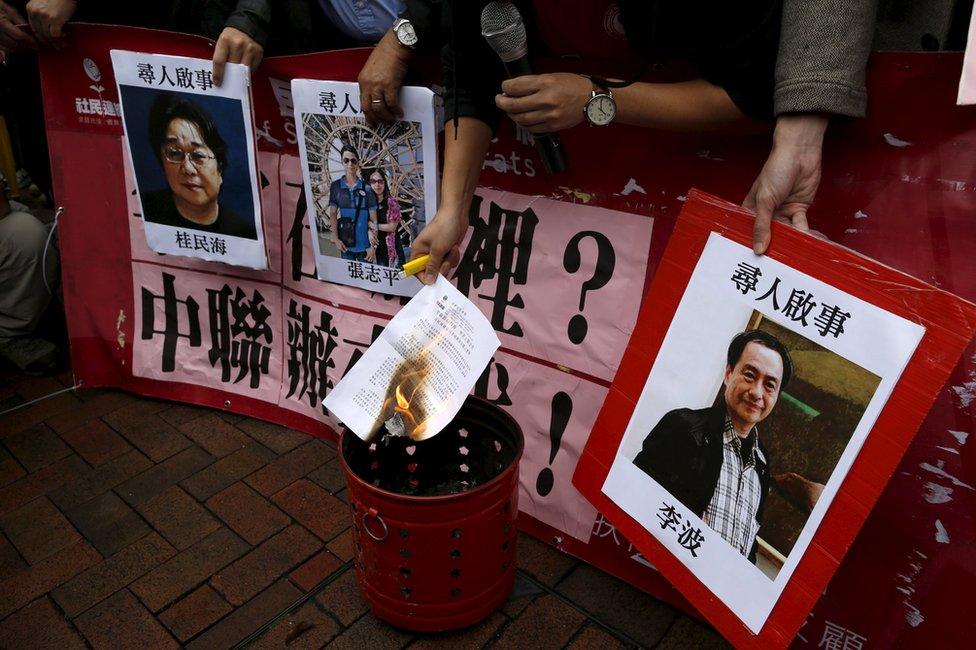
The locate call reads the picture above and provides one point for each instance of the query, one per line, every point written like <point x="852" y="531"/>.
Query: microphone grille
<point x="502" y="27"/>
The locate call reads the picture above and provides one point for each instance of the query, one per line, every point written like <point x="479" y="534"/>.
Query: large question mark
<point x="562" y="408"/>
<point x="606" y="259"/>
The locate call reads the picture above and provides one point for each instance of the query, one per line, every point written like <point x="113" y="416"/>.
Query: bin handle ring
<point x="372" y="512"/>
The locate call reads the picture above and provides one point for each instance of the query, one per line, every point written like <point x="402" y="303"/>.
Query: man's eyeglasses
<point x="350" y="161"/>
<point x="176" y="156"/>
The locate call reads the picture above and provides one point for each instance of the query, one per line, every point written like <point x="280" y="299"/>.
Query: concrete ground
<point x="132" y="522"/>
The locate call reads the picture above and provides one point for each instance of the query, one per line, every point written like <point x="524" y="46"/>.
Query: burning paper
<point x="414" y="378"/>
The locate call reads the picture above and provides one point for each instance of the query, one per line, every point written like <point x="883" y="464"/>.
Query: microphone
<point x="502" y="27"/>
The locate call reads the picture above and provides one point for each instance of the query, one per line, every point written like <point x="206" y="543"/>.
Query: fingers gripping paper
<point x="415" y="377"/>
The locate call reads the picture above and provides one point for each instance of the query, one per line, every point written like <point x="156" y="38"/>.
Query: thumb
<point x="764" y="206"/>
<point x="219" y="59"/>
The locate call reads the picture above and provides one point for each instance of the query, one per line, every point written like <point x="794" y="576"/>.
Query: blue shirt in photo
<point x="348" y="199"/>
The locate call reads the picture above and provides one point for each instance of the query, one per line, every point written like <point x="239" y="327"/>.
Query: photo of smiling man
<point x="192" y="158"/>
<point x="711" y="459"/>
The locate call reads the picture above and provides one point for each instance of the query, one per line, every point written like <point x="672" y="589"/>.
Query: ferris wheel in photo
<point x="395" y="148"/>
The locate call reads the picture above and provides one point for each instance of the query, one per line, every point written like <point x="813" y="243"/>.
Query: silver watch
<point x="405" y="33"/>
<point x="601" y="107"/>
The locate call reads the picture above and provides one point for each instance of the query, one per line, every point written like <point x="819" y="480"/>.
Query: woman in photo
<point x="389" y="249"/>
<point x="193" y="157"/>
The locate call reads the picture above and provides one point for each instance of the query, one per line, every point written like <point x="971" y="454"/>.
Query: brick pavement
<point x="132" y="522"/>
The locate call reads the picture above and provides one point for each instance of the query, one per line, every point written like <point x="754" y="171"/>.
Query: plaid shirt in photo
<point x="732" y="511"/>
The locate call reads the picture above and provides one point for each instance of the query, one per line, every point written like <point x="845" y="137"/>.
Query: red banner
<point x="897" y="186"/>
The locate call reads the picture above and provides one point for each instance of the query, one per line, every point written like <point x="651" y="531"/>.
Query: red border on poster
<point x="949" y="322"/>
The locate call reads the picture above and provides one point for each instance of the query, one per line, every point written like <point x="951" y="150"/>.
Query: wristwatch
<point x="600" y="108"/>
<point x="405" y="33"/>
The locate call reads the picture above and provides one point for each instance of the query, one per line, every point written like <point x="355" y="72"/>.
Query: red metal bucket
<point x="428" y="561"/>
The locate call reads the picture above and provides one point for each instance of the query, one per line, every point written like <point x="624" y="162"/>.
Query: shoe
<point x="35" y="357"/>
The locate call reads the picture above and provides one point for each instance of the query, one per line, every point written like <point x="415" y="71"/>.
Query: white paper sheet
<point x="435" y="349"/>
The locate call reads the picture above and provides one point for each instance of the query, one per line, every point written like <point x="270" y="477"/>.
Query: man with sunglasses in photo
<point x="352" y="212"/>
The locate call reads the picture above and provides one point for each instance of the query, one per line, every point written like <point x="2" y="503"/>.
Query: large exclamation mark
<point x="562" y="409"/>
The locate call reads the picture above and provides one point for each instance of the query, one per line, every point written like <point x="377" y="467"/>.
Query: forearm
<point x="696" y="105"/>
<point x="333" y="222"/>
<point x="463" y="159"/>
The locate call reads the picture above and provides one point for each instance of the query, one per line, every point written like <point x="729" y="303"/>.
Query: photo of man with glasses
<point x="352" y="212"/>
<point x="194" y="160"/>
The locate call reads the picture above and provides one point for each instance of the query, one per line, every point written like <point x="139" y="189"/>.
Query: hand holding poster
<point x="368" y="187"/>
<point x="191" y="145"/>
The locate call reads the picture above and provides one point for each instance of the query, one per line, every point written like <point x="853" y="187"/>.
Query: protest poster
<point x="734" y="447"/>
<point x="369" y="187"/>
<point x="192" y="153"/>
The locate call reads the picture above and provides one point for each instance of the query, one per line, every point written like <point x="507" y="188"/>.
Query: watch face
<point x="406" y="34"/>
<point x="601" y="109"/>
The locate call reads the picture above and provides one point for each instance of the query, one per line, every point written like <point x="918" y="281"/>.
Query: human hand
<point x="371" y="254"/>
<point x="339" y="245"/>
<point x="441" y="239"/>
<point x="544" y="103"/>
<point x="381" y="78"/>
<point x="234" y="46"/>
<point x="47" y="19"/>
<point x="789" y="180"/>
<point x="12" y="38"/>
<point x="801" y="492"/>
<point x="373" y="238"/>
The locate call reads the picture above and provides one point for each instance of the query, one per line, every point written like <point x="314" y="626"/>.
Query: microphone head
<point x="502" y="27"/>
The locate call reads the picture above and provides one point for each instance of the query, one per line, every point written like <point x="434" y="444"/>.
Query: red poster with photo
<point x="761" y="407"/>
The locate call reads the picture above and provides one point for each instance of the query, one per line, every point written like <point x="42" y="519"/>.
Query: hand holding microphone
<point x="536" y="104"/>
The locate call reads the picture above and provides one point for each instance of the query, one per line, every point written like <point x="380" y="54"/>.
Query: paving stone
<point x="227" y="471"/>
<point x="307" y="627"/>
<point x="196" y="612"/>
<point x="687" y="634"/>
<point x="276" y="438"/>
<point x="330" y="476"/>
<point x="594" y="637"/>
<point x="314" y="508"/>
<point x="240" y="581"/>
<point x="342" y="545"/>
<point x="178" y="517"/>
<point x="219" y="438"/>
<point x="114" y="573"/>
<point x="24" y="586"/>
<point x="547" y="623"/>
<point x="524" y="591"/>
<point x="155" y="437"/>
<point x="189" y="568"/>
<point x="108" y="523"/>
<point x="292" y="466"/>
<point x="123" y="619"/>
<point x="36" y="447"/>
<point x="10" y="469"/>
<point x="29" y="387"/>
<point x="618" y="604"/>
<point x="179" y="414"/>
<point x="38" y="530"/>
<point x="96" y="406"/>
<point x="471" y="638"/>
<point x="543" y="562"/>
<point x="246" y="619"/>
<point x="370" y="632"/>
<point x="140" y="489"/>
<point x="34" y="485"/>
<point x="39" y="625"/>
<point x="96" y="442"/>
<point x="343" y="598"/>
<point x="100" y="480"/>
<point x="248" y="513"/>
<point x="131" y="415"/>
<point x="33" y="415"/>
<point x="315" y="570"/>
<point x="10" y="559"/>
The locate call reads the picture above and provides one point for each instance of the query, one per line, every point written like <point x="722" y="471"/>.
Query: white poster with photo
<point x="192" y="150"/>
<point x="761" y="396"/>
<point x="369" y="188"/>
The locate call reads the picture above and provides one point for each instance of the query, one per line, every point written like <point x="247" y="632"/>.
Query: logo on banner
<point x="103" y="111"/>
